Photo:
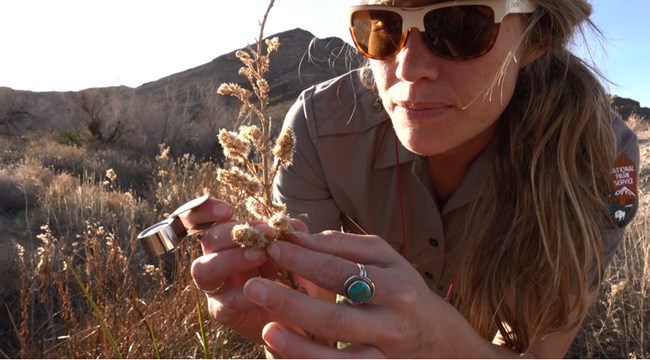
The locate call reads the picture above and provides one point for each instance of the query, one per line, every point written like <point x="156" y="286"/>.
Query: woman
<point x="482" y="157"/>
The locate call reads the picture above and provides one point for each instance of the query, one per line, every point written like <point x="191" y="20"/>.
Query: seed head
<point x="272" y="45"/>
<point x="283" y="149"/>
<point x="234" y="146"/>
<point x="246" y="236"/>
<point x="281" y="224"/>
<point x="239" y="180"/>
<point x="251" y="133"/>
<point x="244" y="57"/>
<point x="111" y="175"/>
<point x="234" y="90"/>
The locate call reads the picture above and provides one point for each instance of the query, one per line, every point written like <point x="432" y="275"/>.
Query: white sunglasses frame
<point x="413" y="17"/>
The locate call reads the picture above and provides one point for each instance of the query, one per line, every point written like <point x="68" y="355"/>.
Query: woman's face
<point x="441" y="106"/>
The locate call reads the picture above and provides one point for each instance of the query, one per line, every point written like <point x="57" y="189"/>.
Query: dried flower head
<point x="244" y="57"/>
<point x="20" y="252"/>
<point x="281" y="224"/>
<point x="263" y="86"/>
<point x="164" y="153"/>
<point x="248" y="72"/>
<point x="272" y="44"/>
<point x="234" y="90"/>
<point x="246" y="236"/>
<point x="265" y="64"/>
<point x="283" y="149"/>
<point x="239" y="180"/>
<point x="111" y="175"/>
<point x="251" y="133"/>
<point x="151" y="270"/>
<point x="234" y="146"/>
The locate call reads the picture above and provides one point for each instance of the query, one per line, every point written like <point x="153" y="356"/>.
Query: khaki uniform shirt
<point x="345" y="162"/>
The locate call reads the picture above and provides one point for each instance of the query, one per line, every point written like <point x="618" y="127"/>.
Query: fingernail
<point x="253" y="254"/>
<point x="256" y="290"/>
<point x="274" y="251"/>
<point x="275" y="337"/>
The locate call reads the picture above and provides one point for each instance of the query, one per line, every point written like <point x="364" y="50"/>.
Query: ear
<point x="533" y="52"/>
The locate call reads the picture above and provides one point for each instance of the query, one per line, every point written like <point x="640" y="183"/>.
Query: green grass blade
<point x="102" y="322"/>
<point x="154" y="342"/>
<point x="204" y="341"/>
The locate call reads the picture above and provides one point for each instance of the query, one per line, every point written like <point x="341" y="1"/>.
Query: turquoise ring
<point x="359" y="288"/>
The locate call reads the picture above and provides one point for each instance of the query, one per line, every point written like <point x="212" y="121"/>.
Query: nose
<point x="416" y="61"/>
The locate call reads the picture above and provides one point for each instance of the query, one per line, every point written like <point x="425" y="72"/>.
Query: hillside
<point x="181" y="110"/>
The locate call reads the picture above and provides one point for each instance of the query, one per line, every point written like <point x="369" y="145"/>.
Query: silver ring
<point x="359" y="288"/>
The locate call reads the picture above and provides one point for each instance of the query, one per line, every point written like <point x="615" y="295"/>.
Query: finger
<point x="323" y="319"/>
<point x="364" y="249"/>
<point x="229" y="304"/>
<point x="327" y="271"/>
<point x="299" y="226"/>
<point x="219" y="236"/>
<point x="292" y="345"/>
<point x="213" y="210"/>
<point x="212" y="270"/>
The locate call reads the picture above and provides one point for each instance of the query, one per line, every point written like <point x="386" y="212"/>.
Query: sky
<point x="70" y="45"/>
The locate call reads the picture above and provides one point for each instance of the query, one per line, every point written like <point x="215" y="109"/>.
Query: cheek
<point x="381" y="74"/>
<point x="488" y="87"/>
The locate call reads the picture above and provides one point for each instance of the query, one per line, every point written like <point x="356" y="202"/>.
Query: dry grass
<point x="150" y="308"/>
<point x="93" y="223"/>
<point x="619" y="319"/>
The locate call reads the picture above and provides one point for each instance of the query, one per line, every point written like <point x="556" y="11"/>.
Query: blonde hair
<point x="538" y="251"/>
<point x="529" y="271"/>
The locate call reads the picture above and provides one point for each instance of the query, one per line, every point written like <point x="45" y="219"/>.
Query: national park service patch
<point x="623" y="197"/>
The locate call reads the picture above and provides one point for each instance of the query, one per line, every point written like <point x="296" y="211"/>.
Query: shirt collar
<point x="471" y="185"/>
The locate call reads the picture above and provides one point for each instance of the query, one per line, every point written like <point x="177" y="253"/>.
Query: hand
<point x="403" y="319"/>
<point x="225" y="267"/>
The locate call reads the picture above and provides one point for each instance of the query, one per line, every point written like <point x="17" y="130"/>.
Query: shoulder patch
<point x="623" y="195"/>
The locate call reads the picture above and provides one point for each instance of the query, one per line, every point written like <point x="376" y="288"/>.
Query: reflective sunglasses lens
<point x="459" y="32"/>
<point x="377" y="33"/>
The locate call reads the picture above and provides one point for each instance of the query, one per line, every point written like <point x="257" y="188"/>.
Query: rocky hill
<point x="181" y="110"/>
<point x="626" y="107"/>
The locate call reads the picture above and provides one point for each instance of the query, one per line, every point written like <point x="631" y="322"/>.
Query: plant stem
<point x="204" y="341"/>
<point x="102" y="322"/>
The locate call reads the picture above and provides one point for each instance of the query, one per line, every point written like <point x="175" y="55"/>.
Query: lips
<point x="421" y="110"/>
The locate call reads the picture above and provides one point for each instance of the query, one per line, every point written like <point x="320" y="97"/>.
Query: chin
<point x="426" y="144"/>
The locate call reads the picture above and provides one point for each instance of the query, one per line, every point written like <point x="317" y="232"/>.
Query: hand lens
<point x="166" y="235"/>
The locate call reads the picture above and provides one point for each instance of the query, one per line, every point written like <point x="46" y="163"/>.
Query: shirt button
<point x="440" y="288"/>
<point x="433" y="242"/>
<point x="377" y="106"/>
<point x="428" y="275"/>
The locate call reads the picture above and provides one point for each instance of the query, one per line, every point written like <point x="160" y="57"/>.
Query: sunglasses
<point x="454" y="30"/>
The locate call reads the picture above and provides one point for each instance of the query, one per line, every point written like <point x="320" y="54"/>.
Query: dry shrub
<point x="58" y="157"/>
<point x="58" y="322"/>
<point x="178" y="180"/>
<point x="70" y="202"/>
<point x="20" y="186"/>
<point x="93" y="223"/>
<point x="638" y="123"/>
<point x="16" y="195"/>
<point x="618" y="325"/>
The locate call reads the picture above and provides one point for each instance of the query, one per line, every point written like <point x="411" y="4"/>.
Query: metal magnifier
<point x="165" y="236"/>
